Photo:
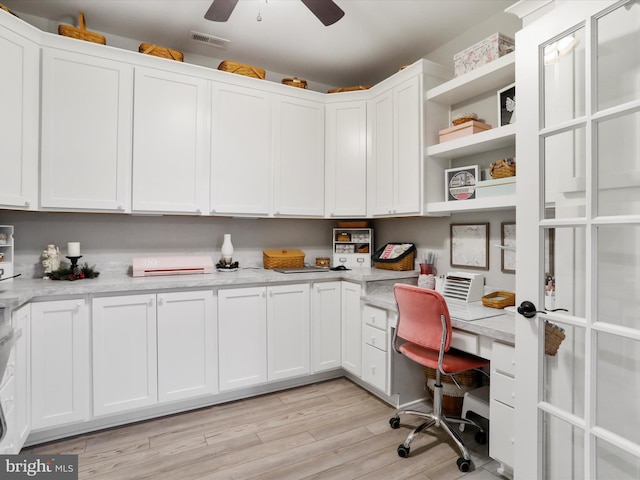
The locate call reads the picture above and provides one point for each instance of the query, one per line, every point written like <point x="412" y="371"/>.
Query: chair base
<point x="439" y="420"/>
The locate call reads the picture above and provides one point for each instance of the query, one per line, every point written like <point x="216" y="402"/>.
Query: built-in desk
<point x="492" y="338"/>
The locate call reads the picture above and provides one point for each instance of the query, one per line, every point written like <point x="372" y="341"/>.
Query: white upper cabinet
<point x="395" y="158"/>
<point x="171" y="134"/>
<point x="86" y="132"/>
<point x="19" y="95"/>
<point x="240" y="151"/>
<point x="298" y="157"/>
<point x="346" y="159"/>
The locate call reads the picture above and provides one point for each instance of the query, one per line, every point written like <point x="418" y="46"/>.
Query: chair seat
<point x="453" y="360"/>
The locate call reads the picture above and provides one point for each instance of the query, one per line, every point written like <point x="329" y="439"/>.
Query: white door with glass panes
<point x="578" y="253"/>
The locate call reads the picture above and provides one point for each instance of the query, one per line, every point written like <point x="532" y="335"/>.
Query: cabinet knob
<point x="198" y="211"/>
<point x="120" y="208"/>
<point x="151" y="299"/>
<point x="27" y="204"/>
<point x="160" y="300"/>
<point x="373" y="341"/>
<point x="373" y="369"/>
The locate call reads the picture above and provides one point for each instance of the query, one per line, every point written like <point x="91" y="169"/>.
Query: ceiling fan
<point x="326" y="10"/>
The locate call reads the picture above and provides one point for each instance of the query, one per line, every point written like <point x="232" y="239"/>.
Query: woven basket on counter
<point x="499" y="299"/>
<point x="295" y="82"/>
<point x="81" y="32"/>
<point x="283" y="258"/>
<point x="164" y="52"/>
<point x="403" y="262"/>
<point x="503" y="168"/>
<point x="453" y="396"/>
<point x="241" y="69"/>
<point x="7" y="9"/>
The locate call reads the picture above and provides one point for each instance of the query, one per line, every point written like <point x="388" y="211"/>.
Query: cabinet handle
<point x="160" y="300"/>
<point x="120" y="208"/>
<point x="27" y="204"/>
<point x="373" y="341"/>
<point x="151" y="301"/>
<point x="373" y="369"/>
<point x="198" y="211"/>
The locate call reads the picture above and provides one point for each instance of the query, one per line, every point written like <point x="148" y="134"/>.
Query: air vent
<point x="210" y="40"/>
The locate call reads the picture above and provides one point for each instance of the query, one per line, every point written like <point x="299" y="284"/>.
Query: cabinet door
<point x="407" y="175"/>
<point x="187" y="345"/>
<point x="346" y="159"/>
<point x="242" y="334"/>
<point x="21" y="319"/>
<point x="288" y="339"/>
<point x="298" y="152"/>
<point x="86" y="132"/>
<point x="171" y="134"/>
<point x="326" y="326"/>
<point x="124" y="353"/>
<point x="380" y="165"/>
<point x="59" y="363"/>
<point x="240" y="150"/>
<point x="351" y="328"/>
<point x="19" y="97"/>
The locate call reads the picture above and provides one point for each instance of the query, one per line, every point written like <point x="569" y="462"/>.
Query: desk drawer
<point x="503" y="358"/>
<point x="503" y="388"/>
<point x="376" y="317"/>
<point x="501" y="433"/>
<point x="465" y="341"/>
<point x="375" y="337"/>
<point x="374" y="367"/>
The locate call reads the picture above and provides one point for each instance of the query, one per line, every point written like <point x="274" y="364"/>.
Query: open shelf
<point x="492" y="76"/>
<point x="500" y="202"/>
<point x="477" y="143"/>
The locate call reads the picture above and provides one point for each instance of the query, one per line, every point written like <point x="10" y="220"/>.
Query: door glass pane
<point x="618" y="67"/>
<point x="564" y="284"/>
<point x="564" y="78"/>
<point x="613" y="463"/>
<point x="563" y="450"/>
<point x="618" y="274"/>
<point x="619" y="165"/>
<point x="618" y="363"/>
<point x="564" y="367"/>
<point x="564" y="174"/>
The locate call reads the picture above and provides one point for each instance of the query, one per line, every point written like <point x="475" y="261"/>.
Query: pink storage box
<point x="483" y="52"/>
<point x="462" y="130"/>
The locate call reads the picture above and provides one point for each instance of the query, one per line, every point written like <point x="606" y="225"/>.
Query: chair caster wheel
<point x="481" y="438"/>
<point x="463" y="465"/>
<point x="394" y="422"/>
<point x="403" y="451"/>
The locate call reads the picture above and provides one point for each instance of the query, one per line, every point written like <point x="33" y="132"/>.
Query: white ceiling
<point x="373" y="40"/>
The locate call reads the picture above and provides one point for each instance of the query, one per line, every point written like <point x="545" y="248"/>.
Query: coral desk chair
<point x="425" y="326"/>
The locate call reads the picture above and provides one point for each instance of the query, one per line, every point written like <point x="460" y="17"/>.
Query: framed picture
<point x="507" y="105"/>
<point x="460" y="183"/>
<point x="470" y="245"/>
<point x="508" y="250"/>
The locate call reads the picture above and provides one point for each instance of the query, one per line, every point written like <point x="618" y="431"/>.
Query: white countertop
<point x="22" y="290"/>
<point x="500" y="327"/>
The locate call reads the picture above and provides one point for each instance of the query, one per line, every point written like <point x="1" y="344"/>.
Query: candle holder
<point x="74" y="263"/>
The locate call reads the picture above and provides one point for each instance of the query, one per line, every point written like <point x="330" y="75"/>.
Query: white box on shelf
<point x="496" y="187"/>
<point x="483" y="52"/>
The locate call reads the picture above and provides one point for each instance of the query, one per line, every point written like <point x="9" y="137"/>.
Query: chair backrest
<point x="420" y="312"/>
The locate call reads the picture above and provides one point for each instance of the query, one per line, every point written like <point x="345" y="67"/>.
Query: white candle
<point x="73" y="249"/>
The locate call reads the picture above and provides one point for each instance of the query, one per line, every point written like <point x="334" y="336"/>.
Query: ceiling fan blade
<point x="326" y="11"/>
<point x="220" y="10"/>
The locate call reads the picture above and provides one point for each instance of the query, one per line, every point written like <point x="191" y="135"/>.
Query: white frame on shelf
<point x="7" y="249"/>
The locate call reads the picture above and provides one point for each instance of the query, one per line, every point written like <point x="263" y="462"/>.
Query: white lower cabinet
<point x="326" y="326"/>
<point x="60" y="382"/>
<point x="501" y="407"/>
<point x="351" y="328"/>
<point x="263" y="334"/>
<point x="375" y="362"/>
<point x="152" y="348"/>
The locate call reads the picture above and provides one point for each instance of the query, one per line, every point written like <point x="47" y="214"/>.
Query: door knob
<point x="528" y="310"/>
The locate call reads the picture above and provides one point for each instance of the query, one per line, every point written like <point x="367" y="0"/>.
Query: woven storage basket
<point x="400" y="263"/>
<point x="499" y="299"/>
<point x="241" y="69"/>
<point x="503" y="168"/>
<point x="295" y="82"/>
<point x="553" y="337"/>
<point x="81" y="32"/>
<point x="453" y="396"/>
<point x="283" y="259"/>
<point x="164" y="52"/>
<point x="7" y="9"/>
<point x="350" y="89"/>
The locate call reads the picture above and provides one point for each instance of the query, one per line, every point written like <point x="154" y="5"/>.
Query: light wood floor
<point x="331" y="430"/>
